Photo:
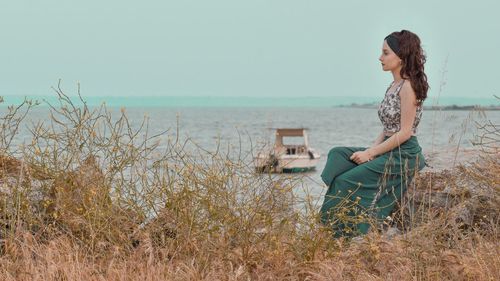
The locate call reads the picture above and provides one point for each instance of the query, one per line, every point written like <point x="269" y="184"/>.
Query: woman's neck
<point x="397" y="76"/>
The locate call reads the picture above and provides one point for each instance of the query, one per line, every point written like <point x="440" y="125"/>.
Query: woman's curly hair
<point x="413" y="59"/>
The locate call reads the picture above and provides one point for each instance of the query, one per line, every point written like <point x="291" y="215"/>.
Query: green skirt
<point x="360" y="194"/>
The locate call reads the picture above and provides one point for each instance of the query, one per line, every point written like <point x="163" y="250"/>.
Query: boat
<point x="287" y="157"/>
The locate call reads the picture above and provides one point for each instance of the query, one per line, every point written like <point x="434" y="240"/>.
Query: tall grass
<point x="91" y="197"/>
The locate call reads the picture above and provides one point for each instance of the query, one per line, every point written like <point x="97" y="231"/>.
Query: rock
<point x="463" y="215"/>
<point x="392" y="232"/>
<point x="465" y="196"/>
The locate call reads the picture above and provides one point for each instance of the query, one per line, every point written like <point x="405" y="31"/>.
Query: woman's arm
<point x="408" y="113"/>
<point x="379" y="139"/>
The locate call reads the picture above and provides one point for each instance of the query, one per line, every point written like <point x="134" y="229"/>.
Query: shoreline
<point x="450" y="158"/>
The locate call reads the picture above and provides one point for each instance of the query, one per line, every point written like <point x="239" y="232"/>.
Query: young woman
<point x="366" y="183"/>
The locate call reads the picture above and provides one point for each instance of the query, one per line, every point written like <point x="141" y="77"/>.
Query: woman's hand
<point x="361" y="157"/>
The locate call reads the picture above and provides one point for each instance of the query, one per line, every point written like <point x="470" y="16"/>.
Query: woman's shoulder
<point x="407" y="89"/>
<point x="407" y="93"/>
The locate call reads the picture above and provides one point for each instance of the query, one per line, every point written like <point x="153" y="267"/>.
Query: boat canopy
<point x="290" y="132"/>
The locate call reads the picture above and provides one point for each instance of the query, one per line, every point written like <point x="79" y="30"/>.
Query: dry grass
<point x="91" y="198"/>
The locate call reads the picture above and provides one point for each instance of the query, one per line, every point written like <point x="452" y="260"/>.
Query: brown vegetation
<point x="90" y="198"/>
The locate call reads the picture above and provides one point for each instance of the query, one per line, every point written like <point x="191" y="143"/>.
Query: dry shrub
<point x="93" y="197"/>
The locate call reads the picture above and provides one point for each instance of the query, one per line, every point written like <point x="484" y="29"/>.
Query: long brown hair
<point x="413" y="59"/>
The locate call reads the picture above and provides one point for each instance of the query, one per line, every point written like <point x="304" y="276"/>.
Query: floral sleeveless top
<point x="389" y="111"/>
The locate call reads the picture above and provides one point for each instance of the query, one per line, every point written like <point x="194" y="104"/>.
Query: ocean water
<point x="245" y="130"/>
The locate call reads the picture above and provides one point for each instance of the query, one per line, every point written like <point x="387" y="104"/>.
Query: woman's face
<point x="390" y="61"/>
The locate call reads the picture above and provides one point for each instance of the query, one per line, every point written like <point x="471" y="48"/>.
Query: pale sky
<point x="259" y="48"/>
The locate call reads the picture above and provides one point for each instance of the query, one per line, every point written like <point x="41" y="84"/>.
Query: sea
<point x="243" y="126"/>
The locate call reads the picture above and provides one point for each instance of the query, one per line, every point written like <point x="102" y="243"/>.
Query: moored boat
<point x="288" y="157"/>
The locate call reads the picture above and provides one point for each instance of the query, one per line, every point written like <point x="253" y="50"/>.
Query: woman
<point x="366" y="183"/>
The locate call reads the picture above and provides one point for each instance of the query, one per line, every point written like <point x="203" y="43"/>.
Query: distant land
<point x="443" y="103"/>
<point x="433" y="107"/>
